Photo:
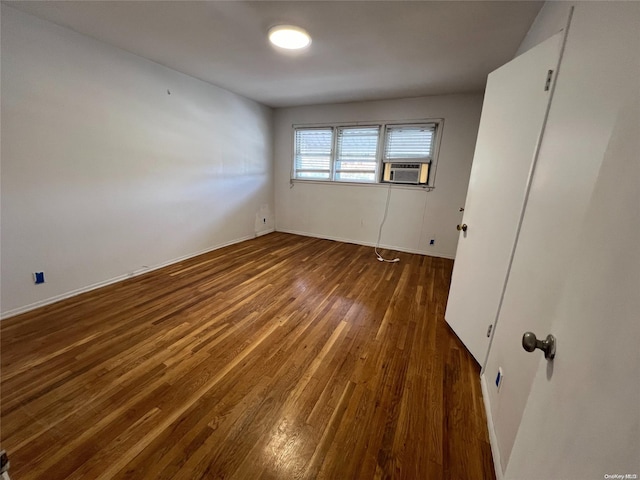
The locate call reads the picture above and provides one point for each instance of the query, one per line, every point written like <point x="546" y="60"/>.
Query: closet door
<point x="513" y="115"/>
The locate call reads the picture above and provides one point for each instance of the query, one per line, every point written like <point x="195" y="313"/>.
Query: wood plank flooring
<point x="283" y="357"/>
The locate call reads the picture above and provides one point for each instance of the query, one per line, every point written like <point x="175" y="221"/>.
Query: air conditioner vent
<point x="404" y="173"/>
<point x="406" y="165"/>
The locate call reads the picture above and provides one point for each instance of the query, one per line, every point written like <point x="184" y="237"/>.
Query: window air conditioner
<point x="412" y="173"/>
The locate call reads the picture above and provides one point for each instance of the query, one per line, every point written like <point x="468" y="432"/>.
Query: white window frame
<point x="376" y="172"/>
<point x="331" y="152"/>
<point x="430" y="185"/>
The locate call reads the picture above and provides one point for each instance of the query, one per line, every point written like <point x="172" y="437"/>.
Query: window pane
<point x="357" y="156"/>
<point x="313" y="153"/>
<point x="355" y="176"/>
<point x="409" y="142"/>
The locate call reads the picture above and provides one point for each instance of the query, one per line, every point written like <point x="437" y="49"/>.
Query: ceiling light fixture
<point x="289" y="37"/>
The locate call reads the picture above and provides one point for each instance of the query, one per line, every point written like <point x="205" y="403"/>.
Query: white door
<point x="513" y="114"/>
<point x="558" y="262"/>
<point x="582" y="418"/>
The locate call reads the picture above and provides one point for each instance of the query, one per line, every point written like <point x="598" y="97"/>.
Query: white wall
<point x="104" y="173"/>
<point x="353" y="213"/>
<point x="598" y="71"/>
<point x="551" y="19"/>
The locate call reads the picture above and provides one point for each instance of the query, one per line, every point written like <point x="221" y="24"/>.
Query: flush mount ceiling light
<point x="289" y="37"/>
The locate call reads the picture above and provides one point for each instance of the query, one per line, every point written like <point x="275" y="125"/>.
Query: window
<point x="409" y="143"/>
<point x="408" y="153"/>
<point x="313" y="153"/>
<point x="357" y="154"/>
<point x="404" y="153"/>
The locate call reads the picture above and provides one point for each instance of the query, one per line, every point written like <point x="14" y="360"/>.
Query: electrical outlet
<point x="38" y="277"/>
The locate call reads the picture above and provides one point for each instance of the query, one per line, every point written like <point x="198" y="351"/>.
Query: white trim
<point x="261" y="233"/>
<point x="369" y="244"/>
<point x="119" y="278"/>
<point x="301" y="181"/>
<point x="493" y="439"/>
<point x="358" y="123"/>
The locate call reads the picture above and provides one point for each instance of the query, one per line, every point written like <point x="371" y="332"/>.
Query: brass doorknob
<point x="462" y="227"/>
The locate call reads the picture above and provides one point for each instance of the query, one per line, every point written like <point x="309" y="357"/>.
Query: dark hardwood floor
<point x="282" y="357"/>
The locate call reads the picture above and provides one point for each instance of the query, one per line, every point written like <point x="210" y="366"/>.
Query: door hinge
<point x="547" y="83"/>
<point x="489" y="330"/>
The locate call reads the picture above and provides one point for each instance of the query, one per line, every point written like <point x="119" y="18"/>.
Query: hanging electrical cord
<point x="384" y="219"/>
<point x="424" y="212"/>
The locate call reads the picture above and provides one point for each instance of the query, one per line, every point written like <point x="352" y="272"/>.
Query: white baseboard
<point x="493" y="439"/>
<point x="264" y="232"/>
<point x="88" y="288"/>
<point x="119" y="278"/>
<point x="368" y="244"/>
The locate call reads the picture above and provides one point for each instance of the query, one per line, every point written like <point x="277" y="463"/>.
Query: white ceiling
<point x="361" y="50"/>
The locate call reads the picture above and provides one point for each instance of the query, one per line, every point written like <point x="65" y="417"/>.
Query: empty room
<point x="320" y="240"/>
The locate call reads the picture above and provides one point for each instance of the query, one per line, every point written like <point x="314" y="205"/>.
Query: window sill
<point x="401" y="186"/>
